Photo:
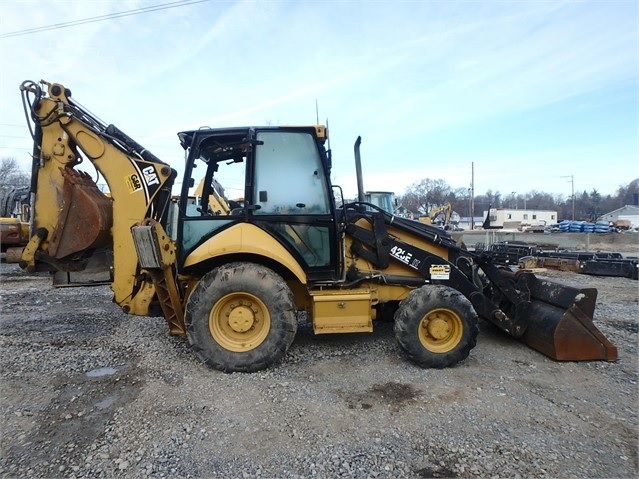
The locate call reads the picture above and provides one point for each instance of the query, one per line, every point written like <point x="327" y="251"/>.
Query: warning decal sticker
<point x="440" y="271"/>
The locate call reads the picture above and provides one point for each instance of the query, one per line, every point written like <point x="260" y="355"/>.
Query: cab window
<point x="289" y="179"/>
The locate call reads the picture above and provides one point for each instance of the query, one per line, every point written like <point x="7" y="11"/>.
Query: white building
<point x="628" y="212"/>
<point x="519" y="219"/>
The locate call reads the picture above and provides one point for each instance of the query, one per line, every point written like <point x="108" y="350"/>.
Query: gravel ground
<point x="88" y="391"/>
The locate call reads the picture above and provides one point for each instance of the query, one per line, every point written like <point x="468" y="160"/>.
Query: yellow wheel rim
<point x="440" y="330"/>
<point x="239" y="322"/>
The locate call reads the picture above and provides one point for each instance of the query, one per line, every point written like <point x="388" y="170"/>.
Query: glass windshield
<point x="289" y="178"/>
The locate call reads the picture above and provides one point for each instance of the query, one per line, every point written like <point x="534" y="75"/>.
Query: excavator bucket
<point x="86" y="217"/>
<point x="560" y="322"/>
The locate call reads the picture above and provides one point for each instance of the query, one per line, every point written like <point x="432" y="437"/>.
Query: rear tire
<point x="241" y="317"/>
<point x="436" y="326"/>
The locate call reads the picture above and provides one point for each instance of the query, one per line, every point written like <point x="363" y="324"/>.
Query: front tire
<point x="436" y="326"/>
<point x="241" y="317"/>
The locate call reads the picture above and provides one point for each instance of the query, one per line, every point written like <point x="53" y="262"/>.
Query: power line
<point x="100" y="18"/>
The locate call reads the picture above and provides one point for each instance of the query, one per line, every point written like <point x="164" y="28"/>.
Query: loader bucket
<point x="560" y="322"/>
<point x="86" y="217"/>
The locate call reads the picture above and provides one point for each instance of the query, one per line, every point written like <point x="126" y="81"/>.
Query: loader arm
<point x="71" y="218"/>
<point x="456" y="267"/>
<point x="552" y="318"/>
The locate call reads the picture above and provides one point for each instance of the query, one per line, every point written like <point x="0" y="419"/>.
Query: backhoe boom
<point x="71" y="217"/>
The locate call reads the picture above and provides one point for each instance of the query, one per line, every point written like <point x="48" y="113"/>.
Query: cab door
<point x="291" y="198"/>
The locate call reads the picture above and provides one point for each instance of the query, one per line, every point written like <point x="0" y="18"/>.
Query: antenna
<point x="316" y="113"/>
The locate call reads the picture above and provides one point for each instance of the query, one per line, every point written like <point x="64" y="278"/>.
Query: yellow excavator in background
<point x="218" y="205"/>
<point x="235" y="281"/>
<point x="14" y="221"/>
<point x="438" y="215"/>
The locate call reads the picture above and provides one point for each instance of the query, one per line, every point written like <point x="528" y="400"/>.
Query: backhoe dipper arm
<point x="71" y="215"/>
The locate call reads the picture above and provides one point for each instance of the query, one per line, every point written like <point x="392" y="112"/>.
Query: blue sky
<point x="528" y="92"/>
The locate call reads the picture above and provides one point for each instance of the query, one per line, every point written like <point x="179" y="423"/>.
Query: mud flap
<point x="560" y="322"/>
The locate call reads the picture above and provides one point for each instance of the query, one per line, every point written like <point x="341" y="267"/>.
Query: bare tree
<point x="629" y="195"/>
<point x="424" y="194"/>
<point x="11" y="175"/>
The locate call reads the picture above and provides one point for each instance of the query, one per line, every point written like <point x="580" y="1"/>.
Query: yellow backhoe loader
<point x="234" y="279"/>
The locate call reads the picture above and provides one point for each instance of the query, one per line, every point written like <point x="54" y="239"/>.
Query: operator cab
<point x="277" y="178"/>
<point x="382" y="199"/>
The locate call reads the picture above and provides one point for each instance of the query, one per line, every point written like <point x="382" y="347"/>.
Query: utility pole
<point x="472" y="196"/>
<point x="572" y="193"/>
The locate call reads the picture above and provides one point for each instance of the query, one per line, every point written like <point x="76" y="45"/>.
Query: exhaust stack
<point x="358" y="170"/>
